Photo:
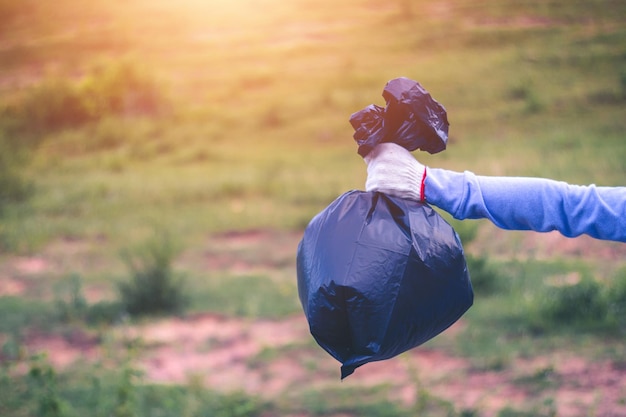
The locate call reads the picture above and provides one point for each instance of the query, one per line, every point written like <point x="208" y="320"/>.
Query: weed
<point x="125" y="403"/>
<point x="429" y="405"/>
<point x="426" y="403"/>
<point x="236" y="404"/>
<point x="526" y="92"/>
<point x="486" y="279"/>
<point x="71" y="305"/>
<point x="266" y="355"/>
<point x="331" y="401"/>
<point x="43" y="385"/>
<point x="581" y="305"/>
<point x="43" y="392"/>
<point x="468" y="412"/>
<point x="154" y="286"/>
<point x="105" y="312"/>
<point x="547" y="409"/>
<point x="616" y="295"/>
<point x="540" y="380"/>
<point x="70" y="301"/>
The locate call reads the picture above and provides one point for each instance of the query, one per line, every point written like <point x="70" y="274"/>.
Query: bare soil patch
<point x="64" y="350"/>
<point x="11" y="287"/>
<point x="544" y="246"/>
<point x="277" y="358"/>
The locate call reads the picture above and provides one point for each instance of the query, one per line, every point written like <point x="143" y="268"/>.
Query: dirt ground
<point x="276" y="358"/>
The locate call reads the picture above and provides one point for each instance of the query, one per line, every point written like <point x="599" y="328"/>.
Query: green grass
<point x="535" y="311"/>
<point x="19" y="313"/>
<point x="251" y="296"/>
<point x="42" y="391"/>
<point x="326" y="402"/>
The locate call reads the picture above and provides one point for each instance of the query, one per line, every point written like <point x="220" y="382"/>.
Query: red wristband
<point x="422" y="187"/>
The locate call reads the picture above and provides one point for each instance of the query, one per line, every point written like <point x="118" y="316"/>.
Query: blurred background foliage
<point x="201" y="117"/>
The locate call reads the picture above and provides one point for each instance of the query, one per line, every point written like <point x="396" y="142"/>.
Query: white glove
<point x="392" y="170"/>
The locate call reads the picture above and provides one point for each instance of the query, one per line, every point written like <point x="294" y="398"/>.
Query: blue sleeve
<point x="538" y="204"/>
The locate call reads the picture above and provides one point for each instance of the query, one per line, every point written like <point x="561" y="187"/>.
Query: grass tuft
<point x="579" y="306"/>
<point x="154" y="287"/>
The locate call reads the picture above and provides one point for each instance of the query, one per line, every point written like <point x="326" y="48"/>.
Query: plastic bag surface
<point x="412" y="119"/>
<point x="378" y="275"/>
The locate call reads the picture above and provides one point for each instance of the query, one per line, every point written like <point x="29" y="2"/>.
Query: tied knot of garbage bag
<point x="411" y="118"/>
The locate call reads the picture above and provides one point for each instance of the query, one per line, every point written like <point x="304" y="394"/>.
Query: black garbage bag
<point x="379" y="275"/>
<point x="412" y="119"/>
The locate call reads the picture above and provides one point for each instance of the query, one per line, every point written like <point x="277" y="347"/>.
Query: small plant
<point x="70" y="301"/>
<point x="540" y="380"/>
<point x="616" y="295"/>
<point x="44" y="388"/>
<point x="526" y="92"/>
<point x="236" y="404"/>
<point x="71" y="305"/>
<point x="580" y="305"/>
<point x="547" y="409"/>
<point x="126" y="394"/>
<point x="154" y="287"/>
<point x="484" y="277"/>
<point x="104" y="312"/>
<point x="469" y="412"/>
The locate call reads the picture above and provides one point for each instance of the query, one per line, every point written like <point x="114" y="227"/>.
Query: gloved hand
<point x="392" y="170"/>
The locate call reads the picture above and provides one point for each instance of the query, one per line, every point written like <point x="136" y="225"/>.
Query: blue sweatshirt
<point x="538" y="204"/>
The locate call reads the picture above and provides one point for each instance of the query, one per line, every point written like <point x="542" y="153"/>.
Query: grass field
<point x="192" y="142"/>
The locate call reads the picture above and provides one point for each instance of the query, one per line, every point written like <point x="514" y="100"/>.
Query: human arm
<point x="542" y="205"/>
<point x="512" y="203"/>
